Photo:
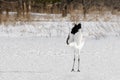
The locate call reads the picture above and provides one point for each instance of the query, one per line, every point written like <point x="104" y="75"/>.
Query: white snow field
<point x="36" y="58"/>
<point x="38" y="51"/>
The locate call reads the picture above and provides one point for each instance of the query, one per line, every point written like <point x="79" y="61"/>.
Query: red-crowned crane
<point x="75" y="39"/>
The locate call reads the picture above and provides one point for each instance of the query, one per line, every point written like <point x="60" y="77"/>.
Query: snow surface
<point x="40" y="58"/>
<point x="38" y="50"/>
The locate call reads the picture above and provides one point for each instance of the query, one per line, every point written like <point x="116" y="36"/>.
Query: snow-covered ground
<point x="38" y="58"/>
<point x="38" y="51"/>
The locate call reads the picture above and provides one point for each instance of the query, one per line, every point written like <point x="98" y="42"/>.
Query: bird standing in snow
<point x="75" y="39"/>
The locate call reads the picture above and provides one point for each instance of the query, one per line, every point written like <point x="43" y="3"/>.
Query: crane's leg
<point x="78" y="61"/>
<point x="73" y="61"/>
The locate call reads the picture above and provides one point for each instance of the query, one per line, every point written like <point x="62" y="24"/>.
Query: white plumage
<point x="75" y="39"/>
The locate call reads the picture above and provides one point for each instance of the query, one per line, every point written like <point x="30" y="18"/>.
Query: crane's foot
<point x="72" y="70"/>
<point x="78" y="70"/>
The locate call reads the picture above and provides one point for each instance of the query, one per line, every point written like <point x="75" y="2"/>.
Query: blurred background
<point x="22" y="10"/>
